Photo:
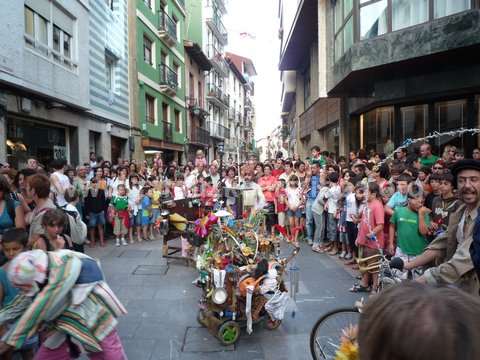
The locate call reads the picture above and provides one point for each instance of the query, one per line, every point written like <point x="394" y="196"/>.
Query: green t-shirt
<point x="409" y="239"/>
<point x="428" y="161"/>
<point x="320" y="161"/>
<point x="120" y="202"/>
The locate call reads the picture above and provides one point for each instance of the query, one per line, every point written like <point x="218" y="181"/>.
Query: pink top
<point x="200" y="161"/>
<point x="372" y="216"/>
<point x="268" y="181"/>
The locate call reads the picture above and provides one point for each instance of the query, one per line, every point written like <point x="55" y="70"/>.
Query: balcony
<point x="238" y="117"/>
<point x="217" y="96"/>
<point x="322" y="113"/>
<point x="167" y="28"/>
<point x="217" y="60"/>
<point x="218" y="131"/>
<point x="167" y="131"/>
<point x="215" y="23"/>
<point x="200" y="136"/>
<point x="222" y="5"/>
<point x="248" y="103"/>
<point x="196" y="107"/>
<point x="231" y="114"/>
<point x="168" y="80"/>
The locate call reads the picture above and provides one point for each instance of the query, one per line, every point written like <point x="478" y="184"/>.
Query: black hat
<point x="466" y="164"/>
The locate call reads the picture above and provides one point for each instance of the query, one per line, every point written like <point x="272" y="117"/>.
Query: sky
<point x="258" y="18"/>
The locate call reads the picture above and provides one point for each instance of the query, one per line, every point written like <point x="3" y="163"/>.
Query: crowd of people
<point x="416" y="205"/>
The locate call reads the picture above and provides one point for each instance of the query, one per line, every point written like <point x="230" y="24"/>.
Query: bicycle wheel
<point x="327" y="331"/>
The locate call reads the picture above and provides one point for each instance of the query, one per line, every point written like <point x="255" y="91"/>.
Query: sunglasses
<point x="438" y="168"/>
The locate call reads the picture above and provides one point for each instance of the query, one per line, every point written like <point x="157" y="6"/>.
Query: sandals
<point x="358" y="288"/>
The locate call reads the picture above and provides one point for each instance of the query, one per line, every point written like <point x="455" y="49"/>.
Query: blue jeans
<point x="332" y="228"/>
<point x="319" y="228"/>
<point x="309" y="223"/>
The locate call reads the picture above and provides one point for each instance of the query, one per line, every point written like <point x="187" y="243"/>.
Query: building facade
<point x="371" y="74"/>
<point x="44" y="80"/>
<point x="241" y="115"/>
<point x="406" y="69"/>
<point x="215" y="39"/>
<point x="109" y="89"/>
<point x="159" y="79"/>
<point x="309" y="116"/>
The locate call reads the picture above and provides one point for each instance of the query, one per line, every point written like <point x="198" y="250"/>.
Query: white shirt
<point x="190" y="181"/>
<point x="253" y="191"/>
<point x="333" y="195"/>
<point x="294" y="197"/>
<point x="352" y="208"/>
<point x="133" y="197"/>
<point x="114" y="185"/>
<point x="64" y="184"/>
<point x="178" y="193"/>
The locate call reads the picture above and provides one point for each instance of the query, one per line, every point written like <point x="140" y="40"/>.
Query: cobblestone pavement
<point x="162" y="307"/>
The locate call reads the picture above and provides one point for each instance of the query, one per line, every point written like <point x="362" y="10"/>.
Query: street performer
<point x="63" y="297"/>
<point x="457" y="251"/>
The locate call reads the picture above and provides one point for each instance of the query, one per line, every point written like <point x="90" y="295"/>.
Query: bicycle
<point x="326" y="334"/>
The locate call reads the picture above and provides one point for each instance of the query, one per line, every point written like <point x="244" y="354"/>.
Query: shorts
<point x="297" y="213"/>
<point x="146" y="220"/>
<point x="282" y="218"/>
<point x="95" y="219"/>
<point x="155" y="215"/>
<point x="119" y="227"/>
<point x="136" y="220"/>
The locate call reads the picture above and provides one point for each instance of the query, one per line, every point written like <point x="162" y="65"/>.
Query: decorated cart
<point x="241" y="274"/>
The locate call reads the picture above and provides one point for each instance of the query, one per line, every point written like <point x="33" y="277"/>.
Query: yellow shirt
<point x="156" y="199"/>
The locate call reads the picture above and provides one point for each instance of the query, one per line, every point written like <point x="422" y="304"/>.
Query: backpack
<point x="75" y="228"/>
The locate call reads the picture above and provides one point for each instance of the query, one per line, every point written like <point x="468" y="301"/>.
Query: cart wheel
<point x="228" y="333"/>
<point x="272" y="324"/>
<point x="201" y="317"/>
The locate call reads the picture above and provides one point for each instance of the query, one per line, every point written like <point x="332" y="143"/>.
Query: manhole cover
<point x="134" y="254"/>
<point x="150" y="270"/>
<point x="199" y="340"/>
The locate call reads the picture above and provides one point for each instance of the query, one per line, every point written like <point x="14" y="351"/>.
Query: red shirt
<point x="372" y="216"/>
<point x="281" y="205"/>
<point x="277" y="172"/>
<point x="268" y="181"/>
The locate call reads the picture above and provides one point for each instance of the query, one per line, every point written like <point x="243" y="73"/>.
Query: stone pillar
<point x="83" y="144"/>
<point x="105" y="146"/>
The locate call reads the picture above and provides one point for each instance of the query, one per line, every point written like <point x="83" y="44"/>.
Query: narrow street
<point x="162" y="305"/>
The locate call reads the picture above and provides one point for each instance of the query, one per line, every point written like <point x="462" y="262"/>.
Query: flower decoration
<point x="203" y="226"/>
<point x="348" y="349"/>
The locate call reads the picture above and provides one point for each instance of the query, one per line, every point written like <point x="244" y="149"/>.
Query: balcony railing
<point x="196" y="107"/>
<point x="168" y="80"/>
<point x="167" y="131"/>
<point x="218" y="28"/>
<point x="248" y="103"/>
<point x="182" y="3"/>
<point x="167" y="28"/>
<point x="200" y="135"/>
<point x="218" y="131"/>
<point x="216" y="93"/>
<point x="216" y="57"/>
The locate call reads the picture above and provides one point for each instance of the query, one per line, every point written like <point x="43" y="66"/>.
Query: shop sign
<point x="59" y="152"/>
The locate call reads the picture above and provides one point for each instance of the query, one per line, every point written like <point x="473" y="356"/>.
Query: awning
<point x="153" y="144"/>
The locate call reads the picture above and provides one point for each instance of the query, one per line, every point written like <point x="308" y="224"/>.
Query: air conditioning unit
<point x="26" y="105"/>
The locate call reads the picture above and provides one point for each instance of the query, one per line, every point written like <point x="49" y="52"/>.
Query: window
<point x="147" y="50"/>
<point x="176" y="27"/>
<point x="165" y="112"/>
<point x="110" y="65"/>
<point x="48" y="32"/>
<point x="414" y="121"/>
<point x="377" y="129"/>
<point x="150" y="109"/>
<point x="373" y="20"/>
<point x="148" y="3"/>
<point x="449" y="7"/>
<point x="200" y="94"/>
<point x="178" y="71"/>
<point x="109" y="4"/>
<point x="306" y="87"/>
<point x="406" y="13"/>
<point x="29" y="22"/>
<point x="343" y="17"/>
<point x="177" y="120"/>
<point x="450" y="115"/>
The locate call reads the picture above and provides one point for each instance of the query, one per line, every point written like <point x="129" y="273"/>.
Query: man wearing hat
<point x="457" y="251"/>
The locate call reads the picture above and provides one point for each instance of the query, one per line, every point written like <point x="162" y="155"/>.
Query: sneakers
<point x="348" y="257"/>
<point x="342" y="255"/>
<point x="117" y="242"/>
<point x="310" y="242"/>
<point x="124" y="242"/>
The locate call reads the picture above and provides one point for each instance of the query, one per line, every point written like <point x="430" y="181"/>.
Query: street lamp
<point x="221" y="151"/>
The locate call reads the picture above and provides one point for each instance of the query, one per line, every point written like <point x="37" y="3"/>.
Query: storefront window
<point x="28" y="138"/>
<point x="333" y="139"/>
<point x="414" y="120"/>
<point x="450" y="115"/>
<point x="407" y="13"/>
<point x="378" y="129"/>
<point x="449" y="7"/>
<point x="373" y="20"/>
